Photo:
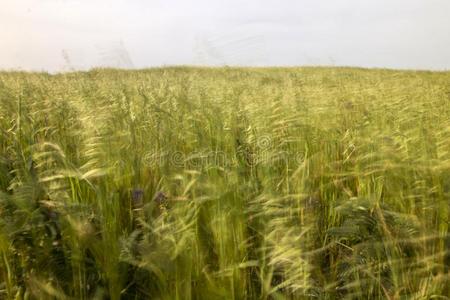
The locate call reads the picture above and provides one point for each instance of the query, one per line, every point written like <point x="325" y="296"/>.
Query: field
<point x="225" y="183"/>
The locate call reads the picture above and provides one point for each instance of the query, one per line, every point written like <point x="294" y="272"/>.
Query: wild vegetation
<point x="226" y="183"/>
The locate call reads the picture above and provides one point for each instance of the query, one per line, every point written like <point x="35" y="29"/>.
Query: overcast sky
<point x="57" y="35"/>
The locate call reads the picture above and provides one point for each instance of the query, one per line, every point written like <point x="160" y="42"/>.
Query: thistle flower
<point x="137" y="196"/>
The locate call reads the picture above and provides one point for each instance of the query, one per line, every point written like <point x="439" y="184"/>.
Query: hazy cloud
<point x="60" y="35"/>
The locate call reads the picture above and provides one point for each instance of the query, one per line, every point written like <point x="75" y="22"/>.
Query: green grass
<point x="203" y="183"/>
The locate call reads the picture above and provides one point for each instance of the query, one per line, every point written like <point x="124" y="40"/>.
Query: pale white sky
<point x="58" y="35"/>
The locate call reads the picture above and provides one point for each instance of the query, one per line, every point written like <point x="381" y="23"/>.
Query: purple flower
<point x="160" y="197"/>
<point x="137" y="196"/>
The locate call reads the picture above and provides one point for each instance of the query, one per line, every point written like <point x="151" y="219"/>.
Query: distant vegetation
<point x="198" y="183"/>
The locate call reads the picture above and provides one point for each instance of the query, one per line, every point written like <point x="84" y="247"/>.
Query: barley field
<point x="225" y="183"/>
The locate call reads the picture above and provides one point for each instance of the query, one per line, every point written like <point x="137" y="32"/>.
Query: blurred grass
<point x="226" y="183"/>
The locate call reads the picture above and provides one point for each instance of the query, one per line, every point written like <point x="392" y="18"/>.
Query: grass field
<point x="199" y="183"/>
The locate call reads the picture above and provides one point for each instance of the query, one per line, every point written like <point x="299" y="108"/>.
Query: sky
<point x="58" y="35"/>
